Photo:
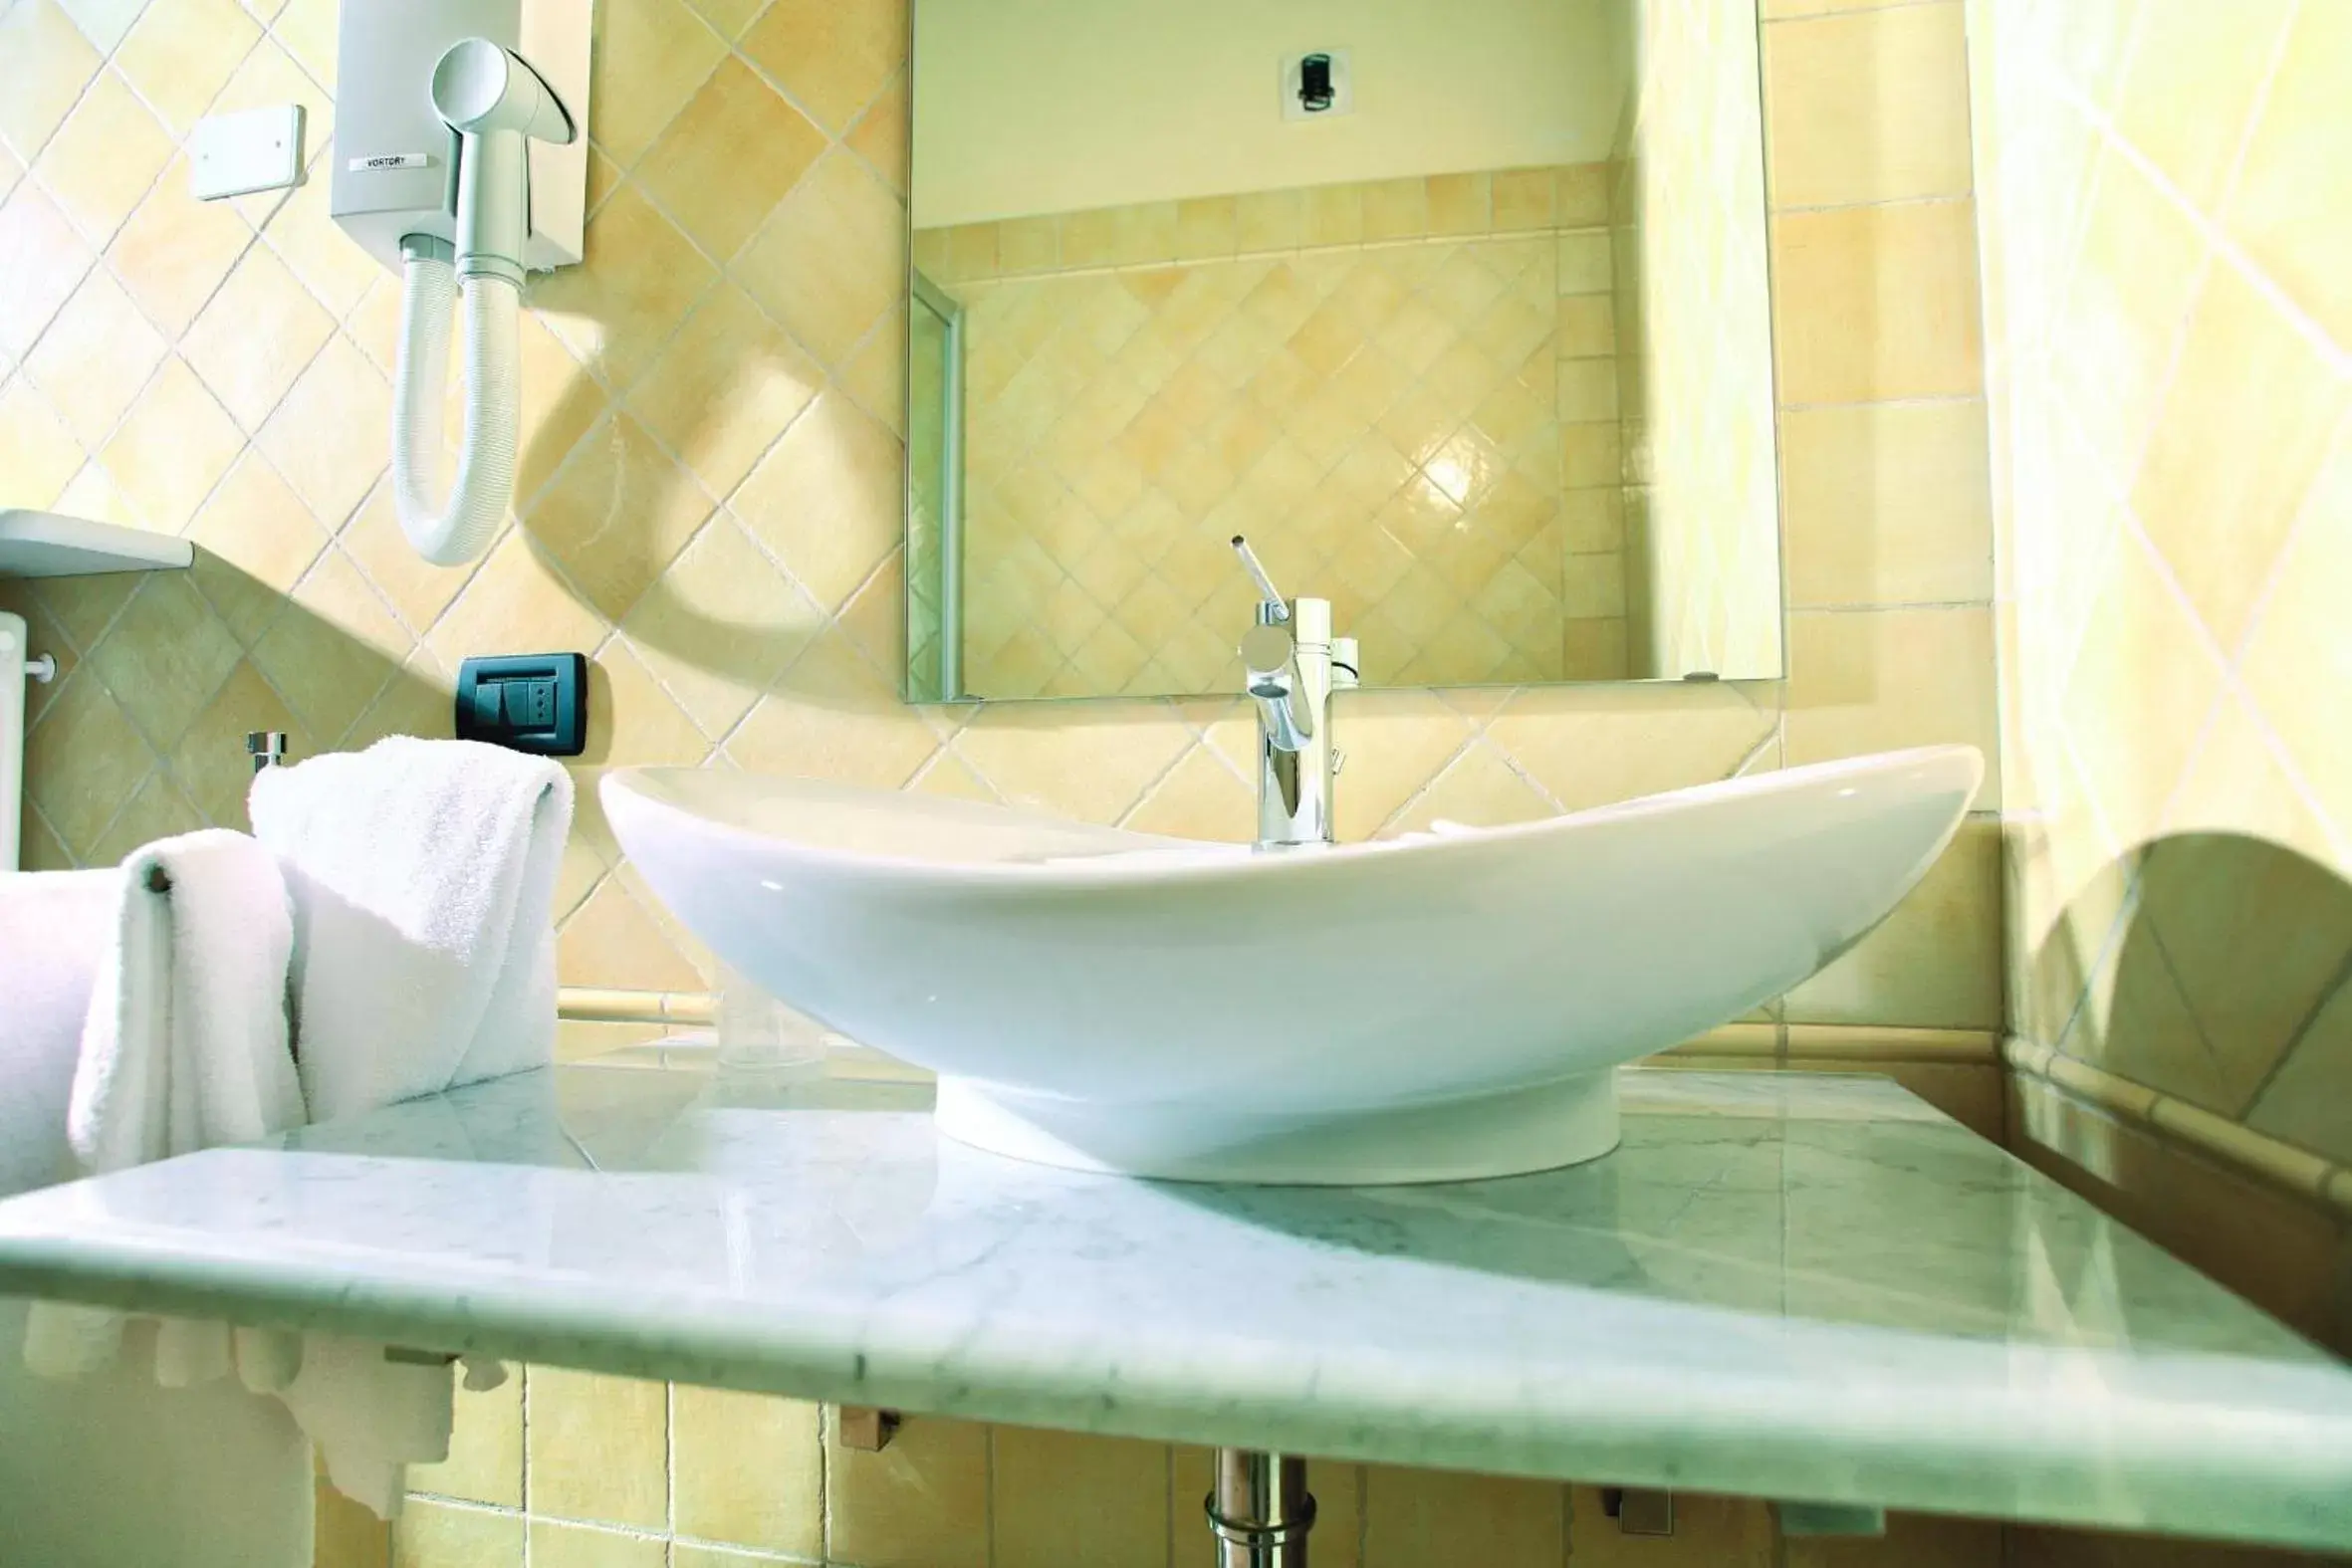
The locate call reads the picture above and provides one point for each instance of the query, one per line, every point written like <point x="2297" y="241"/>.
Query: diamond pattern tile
<point x="834" y="56"/>
<point x="650" y="56"/>
<point x="819" y="265"/>
<point x="1124" y="423"/>
<point x="719" y="625"/>
<point x="94" y="358"/>
<point x="158" y="810"/>
<point x="163" y="661"/>
<point x="726" y="384"/>
<point x="257" y="334"/>
<point x="616" y="515"/>
<point x="257" y="540"/>
<point x="102" y="21"/>
<point x="171" y="449"/>
<point x="820" y="498"/>
<point x="39" y="453"/>
<point x="45" y="61"/>
<point x="417" y="591"/>
<point x="180" y="53"/>
<point x="102" y="160"/>
<point x="173" y="253"/>
<point x="514" y="602"/>
<point x="329" y="436"/>
<point x="328" y="262"/>
<point x="336" y="647"/>
<point x="728" y="157"/>
<point x="42" y="262"/>
<point x="641" y="276"/>
<point x="82" y="761"/>
<point x="306" y="29"/>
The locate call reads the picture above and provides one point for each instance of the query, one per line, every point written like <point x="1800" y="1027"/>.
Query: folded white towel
<point x="186" y="1043"/>
<point x="176" y="967"/>
<point x="185" y="1046"/>
<point x="53" y="927"/>
<point x="153" y="1464"/>
<point x="423" y="878"/>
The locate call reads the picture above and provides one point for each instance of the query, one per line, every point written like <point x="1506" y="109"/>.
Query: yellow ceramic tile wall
<point x="2170" y="422"/>
<point x="747" y="614"/>
<point x="1384" y="415"/>
<point x="730" y="378"/>
<point x="945" y="1493"/>
<point x="956" y="1493"/>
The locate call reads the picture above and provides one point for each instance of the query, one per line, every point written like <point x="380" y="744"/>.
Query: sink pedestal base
<point x="1535" y="1128"/>
<point x="1261" y="1511"/>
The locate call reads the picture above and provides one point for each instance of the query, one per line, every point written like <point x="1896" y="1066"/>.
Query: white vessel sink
<point x="1430" y="1009"/>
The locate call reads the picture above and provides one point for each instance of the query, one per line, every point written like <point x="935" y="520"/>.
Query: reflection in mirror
<point x="1458" y="312"/>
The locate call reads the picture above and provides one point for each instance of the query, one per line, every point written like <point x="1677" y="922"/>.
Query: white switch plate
<point x="236" y="154"/>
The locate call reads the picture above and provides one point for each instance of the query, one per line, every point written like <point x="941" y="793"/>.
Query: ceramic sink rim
<point x="1129" y="855"/>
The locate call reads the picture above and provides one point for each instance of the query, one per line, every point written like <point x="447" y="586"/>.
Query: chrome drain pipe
<point x="1261" y="1509"/>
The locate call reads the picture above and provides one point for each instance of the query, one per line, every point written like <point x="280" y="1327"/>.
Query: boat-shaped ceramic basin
<point x="1433" y="1008"/>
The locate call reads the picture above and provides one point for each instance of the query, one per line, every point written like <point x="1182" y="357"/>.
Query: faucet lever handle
<point x="1278" y="607"/>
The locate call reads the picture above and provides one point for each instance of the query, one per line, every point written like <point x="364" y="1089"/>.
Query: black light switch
<point x="532" y="702"/>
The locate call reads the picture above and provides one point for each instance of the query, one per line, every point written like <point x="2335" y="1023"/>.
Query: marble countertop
<point x="1791" y="1286"/>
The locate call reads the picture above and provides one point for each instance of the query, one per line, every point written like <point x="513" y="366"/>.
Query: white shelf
<point x="52" y="545"/>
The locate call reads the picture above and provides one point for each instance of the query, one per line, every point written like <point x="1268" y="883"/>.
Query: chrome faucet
<point x="1292" y="666"/>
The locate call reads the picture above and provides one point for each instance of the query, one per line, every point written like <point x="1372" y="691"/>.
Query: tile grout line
<point x="2223" y="246"/>
<point x="1324" y="470"/>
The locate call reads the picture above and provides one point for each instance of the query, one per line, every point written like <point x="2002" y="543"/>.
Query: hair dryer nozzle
<point x="479" y="88"/>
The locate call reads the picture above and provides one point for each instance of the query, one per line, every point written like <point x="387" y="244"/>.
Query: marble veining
<point x="1784" y="1286"/>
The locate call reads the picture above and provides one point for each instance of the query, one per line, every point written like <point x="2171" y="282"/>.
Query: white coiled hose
<point x="453" y="534"/>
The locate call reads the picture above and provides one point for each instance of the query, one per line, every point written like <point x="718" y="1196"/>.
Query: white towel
<point x="372" y="1417"/>
<point x="186" y="1043"/>
<point x="423" y="878"/>
<point x="53" y="927"/>
<point x="185" y="1046"/>
<point x="110" y="1470"/>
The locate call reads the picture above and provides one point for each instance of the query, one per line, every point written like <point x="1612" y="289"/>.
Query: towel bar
<point x="267" y="748"/>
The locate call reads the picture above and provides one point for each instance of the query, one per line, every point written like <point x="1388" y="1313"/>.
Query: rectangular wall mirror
<point x="1457" y="309"/>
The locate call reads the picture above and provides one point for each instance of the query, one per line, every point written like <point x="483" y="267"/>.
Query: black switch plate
<point x="528" y="702"/>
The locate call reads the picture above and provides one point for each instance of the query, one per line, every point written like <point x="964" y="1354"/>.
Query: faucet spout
<point x="1289" y="671"/>
<point x="1270" y="655"/>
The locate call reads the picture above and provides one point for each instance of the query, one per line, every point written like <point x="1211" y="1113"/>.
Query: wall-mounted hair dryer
<point x="461" y="159"/>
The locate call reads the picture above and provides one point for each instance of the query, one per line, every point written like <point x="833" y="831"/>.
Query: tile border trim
<point x="1753" y="1042"/>
<point x="604" y="1004"/>
<point x="1572" y="198"/>
<point x="2237" y="1148"/>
